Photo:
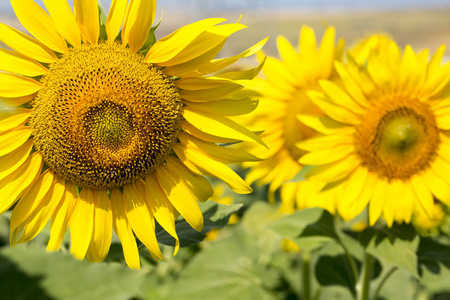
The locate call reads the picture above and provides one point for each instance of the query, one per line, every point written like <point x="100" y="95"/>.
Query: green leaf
<point x="29" y="272"/>
<point x="102" y="19"/>
<point x="433" y="255"/>
<point x="335" y="270"/>
<point x="310" y="228"/>
<point x="151" y="39"/>
<point x="229" y="269"/>
<point x="396" y="246"/>
<point x="215" y="215"/>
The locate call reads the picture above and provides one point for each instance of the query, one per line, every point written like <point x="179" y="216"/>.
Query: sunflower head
<point x="283" y="99"/>
<point x="116" y="130"/>
<point x="387" y="145"/>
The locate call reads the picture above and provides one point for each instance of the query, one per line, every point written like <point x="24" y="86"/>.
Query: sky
<point x="212" y="5"/>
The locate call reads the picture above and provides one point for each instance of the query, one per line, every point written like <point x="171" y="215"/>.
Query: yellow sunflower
<point x="110" y="132"/>
<point x="283" y="98"/>
<point x="385" y="142"/>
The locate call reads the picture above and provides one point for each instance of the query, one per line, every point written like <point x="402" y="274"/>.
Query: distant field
<point x="422" y="29"/>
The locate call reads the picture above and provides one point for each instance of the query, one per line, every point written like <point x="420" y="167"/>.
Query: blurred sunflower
<point x="113" y="133"/>
<point x="283" y="98"/>
<point x="385" y="142"/>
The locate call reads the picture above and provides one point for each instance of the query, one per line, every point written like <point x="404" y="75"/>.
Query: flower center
<point x="398" y="139"/>
<point x="105" y="117"/>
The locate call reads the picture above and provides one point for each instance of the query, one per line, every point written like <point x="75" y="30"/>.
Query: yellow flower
<point x="111" y="134"/>
<point x="283" y="99"/>
<point x="385" y="141"/>
<point x="424" y="222"/>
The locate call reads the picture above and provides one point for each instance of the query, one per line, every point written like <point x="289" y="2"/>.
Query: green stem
<point x="386" y="277"/>
<point x="306" y="275"/>
<point x="362" y="288"/>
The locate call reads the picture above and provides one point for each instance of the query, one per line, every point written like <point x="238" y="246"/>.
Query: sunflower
<point x="385" y="142"/>
<point x="110" y="129"/>
<point x="283" y="97"/>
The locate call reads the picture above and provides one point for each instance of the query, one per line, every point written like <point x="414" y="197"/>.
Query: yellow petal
<point x="26" y="45"/>
<point x="335" y="111"/>
<point x="13" y="117"/>
<point x="13" y="139"/>
<point x="14" y="185"/>
<point x="13" y="62"/>
<point x="12" y="161"/>
<point x="139" y="20"/>
<point x="206" y="41"/>
<point x="327" y="53"/>
<point x="395" y="191"/>
<point x="168" y="47"/>
<point x="220" y="126"/>
<point x="87" y="16"/>
<point x="32" y="199"/>
<point x="189" y="128"/>
<point x="39" y="24"/>
<point x="226" y="107"/>
<point x="327" y="156"/>
<point x="102" y="231"/>
<point x="324" y="124"/>
<point x="180" y="197"/>
<point x="378" y="199"/>
<point x="210" y="167"/>
<point x="139" y="216"/>
<point x="223" y="154"/>
<point x="438" y="186"/>
<point x="41" y="215"/>
<point x="423" y="194"/>
<point x="219" y="64"/>
<point x="61" y="217"/>
<point x="339" y="96"/>
<point x="325" y="142"/>
<point x="123" y="230"/>
<point x="12" y="86"/>
<point x="160" y="206"/>
<point x="351" y="86"/>
<point x="115" y="18"/>
<point x="82" y="224"/>
<point x="198" y="185"/>
<point x="64" y="20"/>
<point x="17" y="101"/>
<point x="334" y="171"/>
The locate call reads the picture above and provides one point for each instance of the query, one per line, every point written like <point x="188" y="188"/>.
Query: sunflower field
<point x="199" y="153"/>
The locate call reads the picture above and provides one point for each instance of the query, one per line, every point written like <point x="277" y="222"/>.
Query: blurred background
<point x="421" y="23"/>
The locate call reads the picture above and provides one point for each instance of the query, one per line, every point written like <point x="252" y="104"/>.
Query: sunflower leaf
<point x="396" y="246"/>
<point x="215" y="215"/>
<point x="310" y="228"/>
<point x="29" y="272"/>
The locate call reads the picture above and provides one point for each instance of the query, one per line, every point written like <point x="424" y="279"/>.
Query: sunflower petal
<point x="82" y="224"/>
<point x="13" y="62"/>
<point x="13" y="139"/>
<point x="12" y="161"/>
<point x="141" y="220"/>
<point x="139" y="20"/>
<point x="39" y="24"/>
<point x="115" y="18"/>
<point x="378" y="199"/>
<point x="180" y="197"/>
<point x="87" y="16"/>
<point x="210" y="167"/>
<point x="218" y="125"/>
<point x="40" y="217"/>
<point x="61" y="217"/>
<point x="198" y="185"/>
<point x="12" y="86"/>
<point x="168" y="47"/>
<point x="65" y="21"/>
<point x="102" y="231"/>
<point x="13" y="117"/>
<point x="26" y="45"/>
<point x="14" y="185"/>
